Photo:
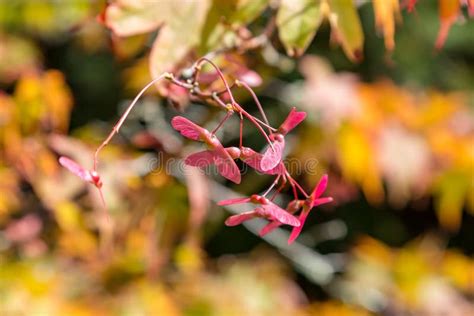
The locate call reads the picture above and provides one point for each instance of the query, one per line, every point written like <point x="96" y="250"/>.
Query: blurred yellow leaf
<point x="334" y="308"/>
<point x="78" y="243"/>
<point x="189" y="258"/>
<point x="459" y="269"/>
<point x="451" y="190"/>
<point x="437" y="108"/>
<point x="67" y="215"/>
<point x="43" y="99"/>
<point x="346" y="27"/>
<point x="9" y="192"/>
<point x="386" y="11"/>
<point x="30" y="107"/>
<point x="370" y="249"/>
<point x="10" y="134"/>
<point x="410" y="269"/>
<point x="58" y="99"/>
<point x="358" y="164"/>
<point x="145" y="298"/>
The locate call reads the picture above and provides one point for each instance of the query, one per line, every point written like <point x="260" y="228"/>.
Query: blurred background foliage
<point x="390" y="121"/>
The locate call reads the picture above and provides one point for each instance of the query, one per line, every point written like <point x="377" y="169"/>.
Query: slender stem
<point x="255" y="98"/>
<point x="219" y="101"/>
<point x="272" y="186"/>
<point x="241" y="130"/>
<point x="295" y="193"/>
<point x="107" y="214"/>
<point x="289" y="178"/>
<point x="234" y="104"/>
<point x="272" y="129"/>
<point x="181" y="83"/>
<point x="219" y="72"/>
<point x="278" y="190"/>
<point x="209" y="94"/>
<point x="301" y="189"/>
<point x="251" y="119"/>
<point x="295" y="183"/>
<point x="122" y="119"/>
<point x="226" y="117"/>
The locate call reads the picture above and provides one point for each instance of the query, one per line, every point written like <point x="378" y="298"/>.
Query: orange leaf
<point x="448" y="13"/>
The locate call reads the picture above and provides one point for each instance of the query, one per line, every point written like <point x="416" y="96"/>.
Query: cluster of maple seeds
<point x="269" y="162"/>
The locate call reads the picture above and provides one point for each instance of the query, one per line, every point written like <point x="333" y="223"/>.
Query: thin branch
<point x="255" y="98"/>
<point x="122" y="119"/>
<point x="219" y="73"/>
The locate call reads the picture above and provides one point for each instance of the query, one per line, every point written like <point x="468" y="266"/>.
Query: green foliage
<point x="298" y="22"/>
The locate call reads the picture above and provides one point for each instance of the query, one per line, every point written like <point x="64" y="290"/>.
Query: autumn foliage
<point x="243" y="157"/>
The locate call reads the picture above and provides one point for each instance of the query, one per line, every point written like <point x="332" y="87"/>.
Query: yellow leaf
<point x="79" y="243"/>
<point x="58" y="99"/>
<point x="385" y="13"/>
<point x="451" y="191"/>
<point x="9" y="195"/>
<point x="410" y="269"/>
<point x="358" y="164"/>
<point x="345" y="24"/>
<point x="67" y="215"/>
<point x="10" y="134"/>
<point x="29" y="106"/>
<point x="369" y="249"/>
<point x="459" y="269"/>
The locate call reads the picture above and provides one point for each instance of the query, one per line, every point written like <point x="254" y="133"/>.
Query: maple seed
<point x="90" y="176"/>
<point x="216" y="154"/>
<point x="270" y="162"/>
<point x="267" y="209"/>
<point x="313" y="200"/>
<point x="272" y="156"/>
<point x="96" y="179"/>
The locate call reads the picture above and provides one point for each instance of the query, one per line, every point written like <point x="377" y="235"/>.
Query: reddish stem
<point x="234" y="104"/>
<point x="294" y="182"/>
<point x="219" y="72"/>
<point x="272" y="186"/>
<point x="278" y="190"/>
<point x="241" y="130"/>
<point x="122" y="119"/>
<point x="226" y="117"/>
<point x="255" y="98"/>
<point x="251" y="119"/>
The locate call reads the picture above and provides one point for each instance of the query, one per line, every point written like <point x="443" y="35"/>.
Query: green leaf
<point x="297" y="22"/>
<point x="345" y="24"/>
<point x="452" y="191"/>
<point x="223" y="15"/>
<point x="248" y="10"/>
<point x="213" y="30"/>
